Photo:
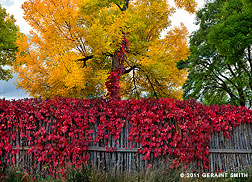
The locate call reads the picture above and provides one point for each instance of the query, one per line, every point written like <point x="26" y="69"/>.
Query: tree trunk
<point x="242" y="97"/>
<point x="113" y="83"/>
<point x="115" y="63"/>
<point x="117" y="69"/>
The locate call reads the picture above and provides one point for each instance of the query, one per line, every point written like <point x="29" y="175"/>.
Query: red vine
<point x="59" y="130"/>
<point x="113" y="82"/>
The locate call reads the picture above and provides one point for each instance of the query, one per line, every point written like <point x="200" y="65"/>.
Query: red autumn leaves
<point x="113" y="82"/>
<point x="60" y="130"/>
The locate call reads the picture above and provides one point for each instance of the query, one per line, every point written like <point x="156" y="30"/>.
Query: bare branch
<point x="85" y="60"/>
<point x="152" y="86"/>
<point x="119" y="6"/>
<point x="130" y="69"/>
<point x="126" y="5"/>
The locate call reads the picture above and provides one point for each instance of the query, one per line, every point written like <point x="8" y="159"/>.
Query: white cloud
<point x="9" y="91"/>
<point x="13" y="7"/>
<point x="186" y="18"/>
<point x="6" y="2"/>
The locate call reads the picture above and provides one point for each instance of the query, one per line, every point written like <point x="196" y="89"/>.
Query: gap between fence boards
<point x="103" y="149"/>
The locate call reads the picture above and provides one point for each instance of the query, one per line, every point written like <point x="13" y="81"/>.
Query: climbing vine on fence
<point x="58" y="130"/>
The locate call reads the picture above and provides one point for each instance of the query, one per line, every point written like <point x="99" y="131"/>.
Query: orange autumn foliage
<point x="70" y="49"/>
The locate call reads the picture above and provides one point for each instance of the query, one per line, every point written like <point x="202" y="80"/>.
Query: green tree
<point x="8" y="35"/>
<point x="220" y="62"/>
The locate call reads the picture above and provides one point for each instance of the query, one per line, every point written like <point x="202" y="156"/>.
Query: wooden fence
<point x="225" y="154"/>
<point x="234" y="153"/>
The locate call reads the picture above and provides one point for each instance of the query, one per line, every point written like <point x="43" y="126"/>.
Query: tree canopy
<point x="220" y="63"/>
<point x="75" y="45"/>
<point x="8" y="36"/>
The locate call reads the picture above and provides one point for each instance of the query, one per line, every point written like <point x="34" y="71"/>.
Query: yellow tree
<point x="77" y="48"/>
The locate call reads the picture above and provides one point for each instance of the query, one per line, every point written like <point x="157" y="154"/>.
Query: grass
<point x="85" y="174"/>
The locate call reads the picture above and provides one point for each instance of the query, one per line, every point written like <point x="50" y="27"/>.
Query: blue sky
<point x="8" y="89"/>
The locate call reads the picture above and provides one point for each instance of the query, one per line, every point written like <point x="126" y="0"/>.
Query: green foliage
<point x="48" y="179"/>
<point x="78" y="175"/>
<point x="16" y="174"/>
<point x="8" y="35"/>
<point x="162" y="174"/>
<point x="220" y="63"/>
